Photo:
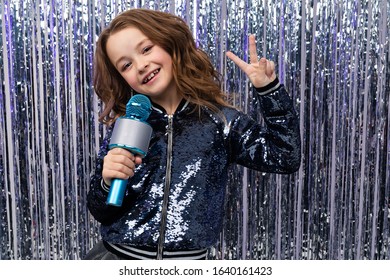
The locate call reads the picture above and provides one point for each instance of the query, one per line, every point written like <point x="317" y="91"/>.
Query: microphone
<point x="131" y="132"/>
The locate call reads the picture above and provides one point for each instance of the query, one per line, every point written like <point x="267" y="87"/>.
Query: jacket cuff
<point x="104" y="186"/>
<point x="271" y="87"/>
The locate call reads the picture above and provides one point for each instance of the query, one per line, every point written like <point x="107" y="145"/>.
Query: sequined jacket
<point x="175" y="200"/>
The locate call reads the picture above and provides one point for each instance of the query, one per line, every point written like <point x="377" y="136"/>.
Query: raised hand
<point x="260" y="72"/>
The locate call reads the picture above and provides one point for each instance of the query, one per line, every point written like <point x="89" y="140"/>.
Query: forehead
<point x="124" y="40"/>
<point x="129" y="35"/>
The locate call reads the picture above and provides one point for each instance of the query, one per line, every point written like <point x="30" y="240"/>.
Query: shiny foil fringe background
<point x="333" y="56"/>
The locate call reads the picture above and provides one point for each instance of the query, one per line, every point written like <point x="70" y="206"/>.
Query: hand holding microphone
<point x="119" y="163"/>
<point x="131" y="133"/>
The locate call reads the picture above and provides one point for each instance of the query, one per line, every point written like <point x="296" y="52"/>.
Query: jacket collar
<point x="182" y="105"/>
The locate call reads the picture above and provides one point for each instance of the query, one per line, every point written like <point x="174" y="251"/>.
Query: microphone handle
<point x="117" y="192"/>
<point x="123" y="136"/>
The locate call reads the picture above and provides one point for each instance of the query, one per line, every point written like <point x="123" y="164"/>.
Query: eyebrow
<point x="125" y="57"/>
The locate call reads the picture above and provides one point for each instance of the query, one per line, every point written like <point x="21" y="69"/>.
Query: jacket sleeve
<point x="274" y="147"/>
<point x="98" y="191"/>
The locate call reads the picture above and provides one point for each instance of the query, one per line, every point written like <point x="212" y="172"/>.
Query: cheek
<point x="131" y="80"/>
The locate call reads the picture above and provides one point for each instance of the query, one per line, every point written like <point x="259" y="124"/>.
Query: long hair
<point x="195" y="77"/>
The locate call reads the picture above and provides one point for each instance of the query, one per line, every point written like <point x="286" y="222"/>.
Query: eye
<point x="146" y="49"/>
<point x="126" y="66"/>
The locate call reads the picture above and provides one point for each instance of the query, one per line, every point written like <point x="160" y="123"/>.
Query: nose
<point x="142" y="65"/>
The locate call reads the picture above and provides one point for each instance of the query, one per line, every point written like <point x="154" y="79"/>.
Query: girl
<point x="173" y="207"/>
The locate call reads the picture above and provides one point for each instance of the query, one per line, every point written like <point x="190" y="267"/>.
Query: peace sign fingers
<point x="260" y="72"/>
<point x="252" y="50"/>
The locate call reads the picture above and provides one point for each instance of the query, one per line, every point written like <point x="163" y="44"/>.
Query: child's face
<point x="146" y="67"/>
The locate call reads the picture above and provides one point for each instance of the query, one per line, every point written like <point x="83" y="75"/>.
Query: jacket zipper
<point x="164" y="210"/>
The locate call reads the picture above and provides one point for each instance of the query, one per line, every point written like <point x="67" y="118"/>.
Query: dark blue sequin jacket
<point x="176" y="196"/>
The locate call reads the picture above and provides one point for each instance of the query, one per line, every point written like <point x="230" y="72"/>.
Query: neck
<point x="170" y="105"/>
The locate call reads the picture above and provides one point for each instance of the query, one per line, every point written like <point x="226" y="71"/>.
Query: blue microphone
<point x="131" y="132"/>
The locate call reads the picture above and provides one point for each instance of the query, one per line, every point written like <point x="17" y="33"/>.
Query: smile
<point x="148" y="78"/>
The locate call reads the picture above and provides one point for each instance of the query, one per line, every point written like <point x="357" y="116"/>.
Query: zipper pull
<point x="169" y="126"/>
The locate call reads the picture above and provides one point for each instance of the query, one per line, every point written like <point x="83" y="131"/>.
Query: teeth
<point x="148" y="78"/>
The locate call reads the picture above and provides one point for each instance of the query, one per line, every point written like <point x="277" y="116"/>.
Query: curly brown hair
<point x="195" y="77"/>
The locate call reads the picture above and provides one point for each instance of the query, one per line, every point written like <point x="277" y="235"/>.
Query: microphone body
<point x="132" y="133"/>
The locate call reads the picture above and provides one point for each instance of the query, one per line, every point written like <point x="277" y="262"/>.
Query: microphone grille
<point x="138" y="107"/>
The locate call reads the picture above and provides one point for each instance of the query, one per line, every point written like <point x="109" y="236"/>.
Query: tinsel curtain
<point x="333" y="57"/>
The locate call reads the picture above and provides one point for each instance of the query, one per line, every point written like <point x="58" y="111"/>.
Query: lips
<point x="150" y="76"/>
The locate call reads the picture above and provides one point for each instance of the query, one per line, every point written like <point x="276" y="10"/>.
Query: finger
<point x="270" y="68"/>
<point x="117" y="170"/>
<point x="120" y="168"/>
<point x="273" y="73"/>
<point x="138" y="160"/>
<point x="238" y="61"/>
<point x="110" y="161"/>
<point x="121" y="151"/>
<point x="124" y="174"/>
<point x="114" y="162"/>
<point x="263" y="65"/>
<point x="252" y="49"/>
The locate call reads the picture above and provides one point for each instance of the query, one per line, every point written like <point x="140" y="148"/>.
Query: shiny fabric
<point x="203" y="147"/>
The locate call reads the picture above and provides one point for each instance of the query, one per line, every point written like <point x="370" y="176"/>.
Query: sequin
<point x="199" y="170"/>
<point x="332" y="56"/>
